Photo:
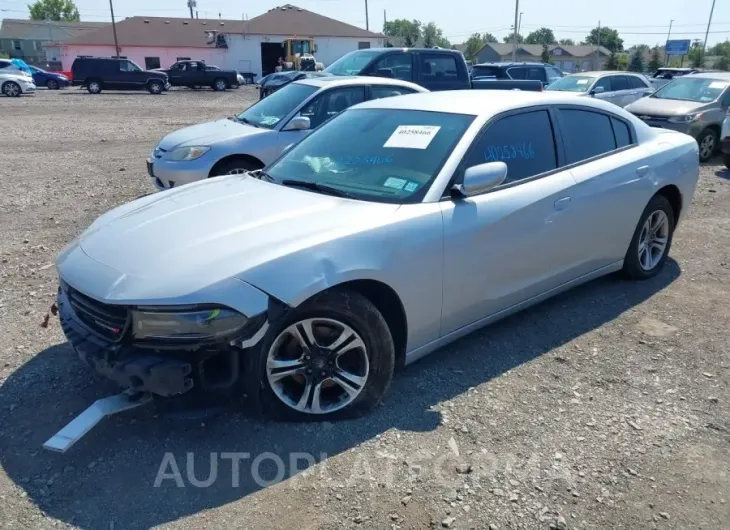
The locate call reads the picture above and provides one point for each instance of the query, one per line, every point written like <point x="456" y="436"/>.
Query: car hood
<point x="208" y="133"/>
<point x="663" y="107"/>
<point x="219" y="228"/>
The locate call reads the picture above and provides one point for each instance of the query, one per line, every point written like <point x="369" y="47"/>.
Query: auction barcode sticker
<point x="412" y="136"/>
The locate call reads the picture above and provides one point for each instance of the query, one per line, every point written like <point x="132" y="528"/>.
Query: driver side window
<point x="126" y="66"/>
<point x="332" y="102"/>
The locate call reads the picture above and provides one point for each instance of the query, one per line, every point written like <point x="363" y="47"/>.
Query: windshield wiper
<point x="243" y="120"/>
<point x="316" y="186"/>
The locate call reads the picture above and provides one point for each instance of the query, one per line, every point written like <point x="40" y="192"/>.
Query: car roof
<point x="725" y="76"/>
<point x="517" y="63"/>
<point x="335" y="80"/>
<point x="479" y="102"/>
<point x="434" y="50"/>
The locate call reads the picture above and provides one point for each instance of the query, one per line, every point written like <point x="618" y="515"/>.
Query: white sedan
<point x="13" y="84"/>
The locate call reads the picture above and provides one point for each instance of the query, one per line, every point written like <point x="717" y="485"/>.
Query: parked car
<point x="15" y="84"/>
<point x="619" y="88"/>
<point x="8" y="66"/>
<point x="399" y="226"/>
<point x="273" y="82"/>
<point x="259" y="134"/>
<point x="194" y="74"/>
<point x="50" y="80"/>
<point x="695" y="104"/>
<point x="434" y="69"/>
<point x="725" y="142"/>
<point x="111" y="73"/>
<point x="664" y="75"/>
<point x="524" y="71"/>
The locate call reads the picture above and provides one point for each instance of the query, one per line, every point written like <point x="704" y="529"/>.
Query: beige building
<point x="568" y="58"/>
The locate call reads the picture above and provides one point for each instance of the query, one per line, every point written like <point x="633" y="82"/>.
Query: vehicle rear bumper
<point x="166" y="174"/>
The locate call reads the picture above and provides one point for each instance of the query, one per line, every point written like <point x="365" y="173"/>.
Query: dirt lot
<point x="603" y="408"/>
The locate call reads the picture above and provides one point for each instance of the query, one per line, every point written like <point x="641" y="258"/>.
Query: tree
<point x="545" y="56"/>
<point x="409" y="31"/>
<point x="566" y="42"/>
<point x="511" y="38"/>
<point x="697" y="54"/>
<point x="611" y="62"/>
<point x="433" y="36"/>
<point x="723" y="63"/>
<point x="637" y="62"/>
<point x="622" y="60"/>
<point x="541" y="36"/>
<point x="721" y="48"/>
<point x="656" y="61"/>
<point x="58" y="10"/>
<point x="475" y="43"/>
<point x="608" y="39"/>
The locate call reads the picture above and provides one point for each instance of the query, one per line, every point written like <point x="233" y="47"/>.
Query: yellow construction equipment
<point x="299" y="55"/>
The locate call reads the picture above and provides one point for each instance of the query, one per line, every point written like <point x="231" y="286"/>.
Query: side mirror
<point x="384" y="72"/>
<point x="597" y="90"/>
<point x="299" y="123"/>
<point x="480" y="179"/>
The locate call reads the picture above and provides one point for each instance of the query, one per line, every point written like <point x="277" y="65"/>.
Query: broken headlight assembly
<point x="185" y="324"/>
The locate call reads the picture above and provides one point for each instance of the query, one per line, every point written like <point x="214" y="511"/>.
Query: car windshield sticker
<point x="718" y="84"/>
<point x="395" y="183"/>
<point x="411" y="186"/>
<point x="412" y="136"/>
<point x="581" y="82"/>
<point x="523" y="150"/>
<point x="349" y="160"/>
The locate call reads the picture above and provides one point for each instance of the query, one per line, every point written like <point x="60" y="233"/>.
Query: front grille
<point x="108" y="321"/>
<point x="646" y="117"/>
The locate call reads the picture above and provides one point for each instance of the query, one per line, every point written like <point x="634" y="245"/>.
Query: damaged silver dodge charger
<point x="397" y="227"/>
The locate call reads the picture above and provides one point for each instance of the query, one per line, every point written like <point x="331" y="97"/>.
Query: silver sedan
<point x="259" y="134"/>
<point x="399" y="226"/>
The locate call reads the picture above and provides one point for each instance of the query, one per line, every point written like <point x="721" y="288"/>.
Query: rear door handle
<point x="642" y="171"/>
<point x="562" y="204"/>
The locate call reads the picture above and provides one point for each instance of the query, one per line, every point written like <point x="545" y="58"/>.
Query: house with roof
<point x="34" y="41"/>
<point x="253" y="45"/>
<point x="569" y="58"/>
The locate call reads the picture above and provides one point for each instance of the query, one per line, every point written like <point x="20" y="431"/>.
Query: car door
<point x="438" y="71"/>
<point x="605" y="83"/>
<point x="514" y="242"/>
<point x="176" y="73"/>
<point x="614" y="179"/>
<point x="397" y="65"/>
<point x="131" y="76"/>
<point x="622" y="90"/>
<point x="324" y="105"/>
<point x="641" y="88"/>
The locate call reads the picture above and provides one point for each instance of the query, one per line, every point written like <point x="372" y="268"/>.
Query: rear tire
<point x="155" y="87"/>
<point x="94" y="86"/>
<point x="52" y="84"/>
<point x="652" y="240"/>
<point x="707" y="142"/>
<point x="220" y="84"/>
<point x="237" y="166"/>
<point x="344" y="372"/>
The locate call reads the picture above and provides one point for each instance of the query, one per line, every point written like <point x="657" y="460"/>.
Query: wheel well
<point x="674" y="196"/>
<point x="231" y="158"/>
<point x="391" y="307"/>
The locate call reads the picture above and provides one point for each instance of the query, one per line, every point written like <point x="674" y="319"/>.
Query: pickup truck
<point x="432" y="68"/>
<point x="194" y="74"/>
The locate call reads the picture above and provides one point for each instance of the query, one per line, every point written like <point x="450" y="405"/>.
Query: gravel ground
<point x="603" y="408"/>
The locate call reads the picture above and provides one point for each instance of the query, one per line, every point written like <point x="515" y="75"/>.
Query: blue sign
<point x="677" y="47"/>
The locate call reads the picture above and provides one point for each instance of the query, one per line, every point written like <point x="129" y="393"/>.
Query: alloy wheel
<point x="220" y="85"/>
<point x="11" y="89"/>
<point x="317" y="365"/>
<point x="94" y="87"/>
<point x="707" y="146"/>
<point x="238" y="171"/>
<point x="653" y="240"/>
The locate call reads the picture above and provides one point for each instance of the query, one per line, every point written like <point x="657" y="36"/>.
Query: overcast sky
<point x="638" y="21"/>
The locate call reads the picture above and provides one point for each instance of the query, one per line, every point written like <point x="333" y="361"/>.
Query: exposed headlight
<point x="188" y="153"/>
<point x="687" y="118"/>
<point x="181" y="324"/>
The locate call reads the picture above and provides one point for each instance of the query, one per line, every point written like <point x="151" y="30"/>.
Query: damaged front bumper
<point x="163" y="368"/>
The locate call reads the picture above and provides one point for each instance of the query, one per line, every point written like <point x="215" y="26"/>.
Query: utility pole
<point x="192" y="4"/>
<point x="514" y="37"/>
<point x="704" y="44"/>
<point x="598" y="48"/>
<point x="519" y="24"/>
<point x="114" y="30"/>
<point x="669" y="33"/>
<point x="367" y="17"/>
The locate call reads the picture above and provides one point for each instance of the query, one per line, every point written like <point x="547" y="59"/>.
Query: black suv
<point x="116" y="73"/>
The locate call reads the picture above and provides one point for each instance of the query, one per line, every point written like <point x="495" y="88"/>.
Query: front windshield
<point x="273" y="108"/>
<point x="689" y="88"/>
<point x="300" y="47"/>
<point x="352" y="63"/>
<point x="572" y="83"/>
<point x="381" y="155"/>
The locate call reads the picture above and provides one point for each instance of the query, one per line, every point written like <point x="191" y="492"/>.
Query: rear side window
<point x="585" y="134"/>
<point x="637" y="82"/>
<point x="620" y="82"/>
<point x="487" y="71"/>
<point x="436" y="67"/>
<point x="396" y="66"/>
<point x="534" y="73"/>
<point x="384" y="91"/>
<point x="621" y="133"/>
<point x="525" y="142"/>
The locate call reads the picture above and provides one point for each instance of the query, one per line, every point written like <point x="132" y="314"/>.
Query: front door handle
<point x="642" y="171"/>
<point x="562" y="204"/>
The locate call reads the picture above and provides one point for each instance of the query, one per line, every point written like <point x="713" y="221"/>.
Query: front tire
<point x="239" y="166"/>
<point x="219" y="85"/>
<point x="331" y="358"/>
<point x="652" y="240"/>
<point x="52" y="84"/>
<point x="155" y="87"/>
<point x="94" y="86"/>
<point x="12" y="89"/>
<point x="707" y="142"/>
